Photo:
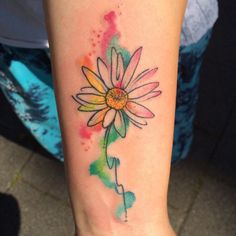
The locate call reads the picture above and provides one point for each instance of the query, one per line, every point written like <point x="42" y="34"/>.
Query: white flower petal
<point x="136" y="124"/>
<point x="114" y="61"/>
<point x="104" y="72"/>
<point x="109" y="117"/>
<point x="120" y="124"/>
<point x="134" y="118"/>
<point x="97" y="117"/>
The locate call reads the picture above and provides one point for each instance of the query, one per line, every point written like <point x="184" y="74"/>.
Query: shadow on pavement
<point x="9" y="215"/>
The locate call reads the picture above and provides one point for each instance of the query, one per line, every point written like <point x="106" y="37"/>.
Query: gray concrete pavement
<point x="202" y="202"/>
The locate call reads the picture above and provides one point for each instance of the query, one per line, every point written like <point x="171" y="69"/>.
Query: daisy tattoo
<point x="114" y="97"/>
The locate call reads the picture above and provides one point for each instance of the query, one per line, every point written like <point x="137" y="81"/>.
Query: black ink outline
<point x="73" y="97"/>
<point x="135" y="124"/>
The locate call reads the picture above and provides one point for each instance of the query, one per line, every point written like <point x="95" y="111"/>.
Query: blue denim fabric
<point x="190" y="61"/>
<point x="26" y="81"/>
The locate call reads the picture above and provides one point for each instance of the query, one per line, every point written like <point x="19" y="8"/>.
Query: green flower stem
<point x="112" y="163"/>
<point x="104" y="163"/>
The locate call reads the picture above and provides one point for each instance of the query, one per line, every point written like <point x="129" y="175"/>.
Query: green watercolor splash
<point x="115" y="44"/>
<point x="99" y="167"/>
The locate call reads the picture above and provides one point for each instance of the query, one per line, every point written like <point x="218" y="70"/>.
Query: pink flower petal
<point x="148" y="96"/>
<point x="109" y="117"/>
<point x="139" y="110"/>
<point x="141" y="79"/>
<point x="142" y="90"/>
<point x="131" y="68"/>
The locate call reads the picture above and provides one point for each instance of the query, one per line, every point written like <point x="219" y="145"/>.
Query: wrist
<point x="126" y="229"/>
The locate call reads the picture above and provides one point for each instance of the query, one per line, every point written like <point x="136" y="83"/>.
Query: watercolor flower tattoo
<point x="115" y="98"/>
<point x="116" y="93"/>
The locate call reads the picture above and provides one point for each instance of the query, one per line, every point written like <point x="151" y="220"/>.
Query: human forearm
<point x="80" y="33"/>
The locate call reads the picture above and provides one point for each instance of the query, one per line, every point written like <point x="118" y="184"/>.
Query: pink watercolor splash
<point x="85" y="61"/>
<point x="110" y="32"/>
<point x="86" y="132"/>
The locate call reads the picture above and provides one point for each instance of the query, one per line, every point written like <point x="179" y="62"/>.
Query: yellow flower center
<point x="116" y="98"/>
